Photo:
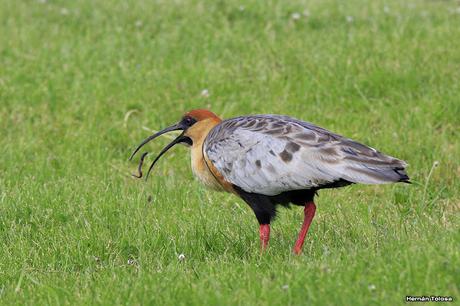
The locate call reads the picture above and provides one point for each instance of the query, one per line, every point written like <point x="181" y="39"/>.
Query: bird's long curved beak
<point x="165" y="149"/>
<point x="175" y="127"/>
<point x="180" y="138"/>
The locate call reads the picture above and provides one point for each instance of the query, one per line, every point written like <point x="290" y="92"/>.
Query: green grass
<point x="75" y="228"/>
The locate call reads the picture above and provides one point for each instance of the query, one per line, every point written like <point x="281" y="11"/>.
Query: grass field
<point x="83" y="82"/>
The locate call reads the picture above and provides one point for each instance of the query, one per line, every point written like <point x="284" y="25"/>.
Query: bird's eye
<point x="189" y="121"/>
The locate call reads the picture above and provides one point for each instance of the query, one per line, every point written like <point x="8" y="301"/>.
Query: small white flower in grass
<point x="181" y="257"/>
<point x="64" y="11"/>
<point x="436" y="163"/>
<point x="296" y="16"/>
<point x="131" y="261"/>
<point x="371" y="287"/>
<point x="285" y="287"/>
<point x="205" y="93"/>
<point x="350" y="19"/>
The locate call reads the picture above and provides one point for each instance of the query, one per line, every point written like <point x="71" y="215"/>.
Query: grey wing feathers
<point x="270" y="154"/>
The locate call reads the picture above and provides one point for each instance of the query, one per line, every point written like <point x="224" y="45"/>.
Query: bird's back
<point x="272" y="154"/>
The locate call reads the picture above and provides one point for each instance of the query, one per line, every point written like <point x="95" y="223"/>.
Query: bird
<point x="272" y="160"/>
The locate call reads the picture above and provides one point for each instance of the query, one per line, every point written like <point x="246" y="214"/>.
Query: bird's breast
<point x="202" y="171"/>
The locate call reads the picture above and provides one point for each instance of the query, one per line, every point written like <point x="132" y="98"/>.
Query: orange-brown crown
<point x="201" y="114"/>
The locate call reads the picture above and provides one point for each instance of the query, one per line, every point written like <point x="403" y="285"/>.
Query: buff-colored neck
<point x="202" y="168"/>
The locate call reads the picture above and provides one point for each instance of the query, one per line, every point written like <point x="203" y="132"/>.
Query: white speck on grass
<point x="349" y="19"/>
<point x="241" y="8"/>
<point x="285" y="287"/>
<point x="436" y="163"/>
<point x="64" y="11"/>
<point x="205" y="93"/>
<point x="386" y="9"/>
<point x="181" y="257"/>
<point x="371" y="287"/>
<point x="138" y="24"/>
<point x="131" y="261"/>
<point x="296" y="16"/>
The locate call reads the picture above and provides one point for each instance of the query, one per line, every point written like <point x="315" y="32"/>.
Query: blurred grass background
<point x="82" y="82"/>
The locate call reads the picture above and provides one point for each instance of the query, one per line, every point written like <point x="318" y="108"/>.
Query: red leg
<point x="264" y="231"/>
<point x="309" y="213"/>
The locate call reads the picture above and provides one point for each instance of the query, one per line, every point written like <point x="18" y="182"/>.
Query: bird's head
<point x="194" y="125"/>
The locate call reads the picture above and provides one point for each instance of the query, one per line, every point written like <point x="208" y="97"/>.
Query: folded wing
<point x="271" y="154"/>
